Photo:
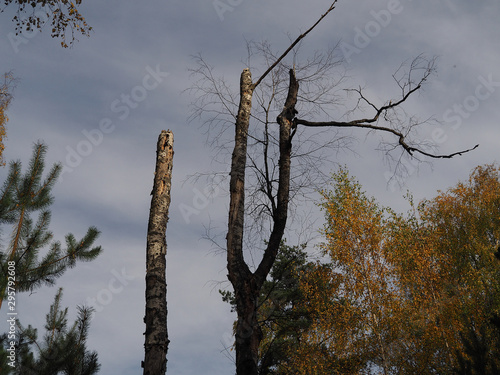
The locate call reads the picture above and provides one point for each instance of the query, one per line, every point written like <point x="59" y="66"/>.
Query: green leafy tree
<point x="63" y="16"/>
<point x="285" y="318"/>
<point x="279" y="317"/>
<point x="62" y="349"/>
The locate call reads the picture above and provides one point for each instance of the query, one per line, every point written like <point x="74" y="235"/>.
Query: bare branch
<point x="299" y="38"/>
<point x="263" y="146"/>
<point x="409" y="86"/>
<point x="366" y="125"/>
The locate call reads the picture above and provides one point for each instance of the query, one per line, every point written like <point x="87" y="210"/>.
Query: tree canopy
<point x="63" y="16"/>
<point x="414" y="293"/>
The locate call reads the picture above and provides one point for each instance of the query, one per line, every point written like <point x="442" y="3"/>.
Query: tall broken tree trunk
<point x="247" y="331"/>
<point x="156" y="340"/>
<point x="247" y="285"/>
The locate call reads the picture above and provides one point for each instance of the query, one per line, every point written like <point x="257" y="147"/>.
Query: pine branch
<point x="21" y="195"/>
<point x="75" y="251"/>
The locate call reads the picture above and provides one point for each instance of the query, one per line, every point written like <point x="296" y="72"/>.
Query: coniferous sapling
<point x="38" y="258"/>
<point x="62" y="349"/>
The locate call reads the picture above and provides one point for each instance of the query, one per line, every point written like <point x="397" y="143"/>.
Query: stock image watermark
<point x="201" y="198"/>
<point x="363" y="36"/>
<point x="12" y="313"/>
<point x="224" y="6"/>
<point x="17" y="39"/>
<point x="122" y="107"/>
<point x="470" y="104"/>
<point x="453" y="118"/>
<point x="115" y="286"/>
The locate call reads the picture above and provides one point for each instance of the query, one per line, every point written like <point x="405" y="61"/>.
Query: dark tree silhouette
<point x="267" y="153"/>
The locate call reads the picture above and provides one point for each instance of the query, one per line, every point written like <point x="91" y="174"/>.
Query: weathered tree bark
<point x="156" y="335"/>
<point x="238" y="272"/>
<point x="247" y="285"/>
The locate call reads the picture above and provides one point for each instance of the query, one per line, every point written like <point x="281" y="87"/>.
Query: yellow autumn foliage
<point x="405" y="291"/>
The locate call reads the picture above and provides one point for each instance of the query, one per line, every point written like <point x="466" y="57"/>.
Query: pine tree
<point x="21" y="196"/>
<point x="62" y="349"/>
<point x="279" y="318"/>
<point x="31" y="258"/>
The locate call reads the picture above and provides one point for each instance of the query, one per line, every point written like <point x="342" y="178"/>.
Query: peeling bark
<point x="247" y="284"/>
<point x="156" y="335"/>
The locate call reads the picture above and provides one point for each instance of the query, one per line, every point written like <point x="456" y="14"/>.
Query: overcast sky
<point x="75" y="101"/>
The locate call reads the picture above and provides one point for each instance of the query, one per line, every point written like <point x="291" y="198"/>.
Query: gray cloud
<point x="63" y="93"/>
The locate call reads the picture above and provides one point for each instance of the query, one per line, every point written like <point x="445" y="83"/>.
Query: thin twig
<point x="299" y="38"/>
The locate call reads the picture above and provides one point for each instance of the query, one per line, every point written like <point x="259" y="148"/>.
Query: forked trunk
<point x="247" y="285"/>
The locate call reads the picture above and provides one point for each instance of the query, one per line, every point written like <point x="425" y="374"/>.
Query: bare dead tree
<point x="156" y="335"/>
<point x="265" y="196"/>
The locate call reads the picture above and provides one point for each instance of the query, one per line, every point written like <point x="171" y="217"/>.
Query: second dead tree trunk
<point x="156" y="335"/>
<point x="273" y="180"/>
<point x="247" y="284"/>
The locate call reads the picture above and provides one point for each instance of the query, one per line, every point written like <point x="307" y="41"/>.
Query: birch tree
<point x="156" y="335"/>
<point x="6" y="89"/>
<point x="65" y="20"/>
<point x="263" y="185"/>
